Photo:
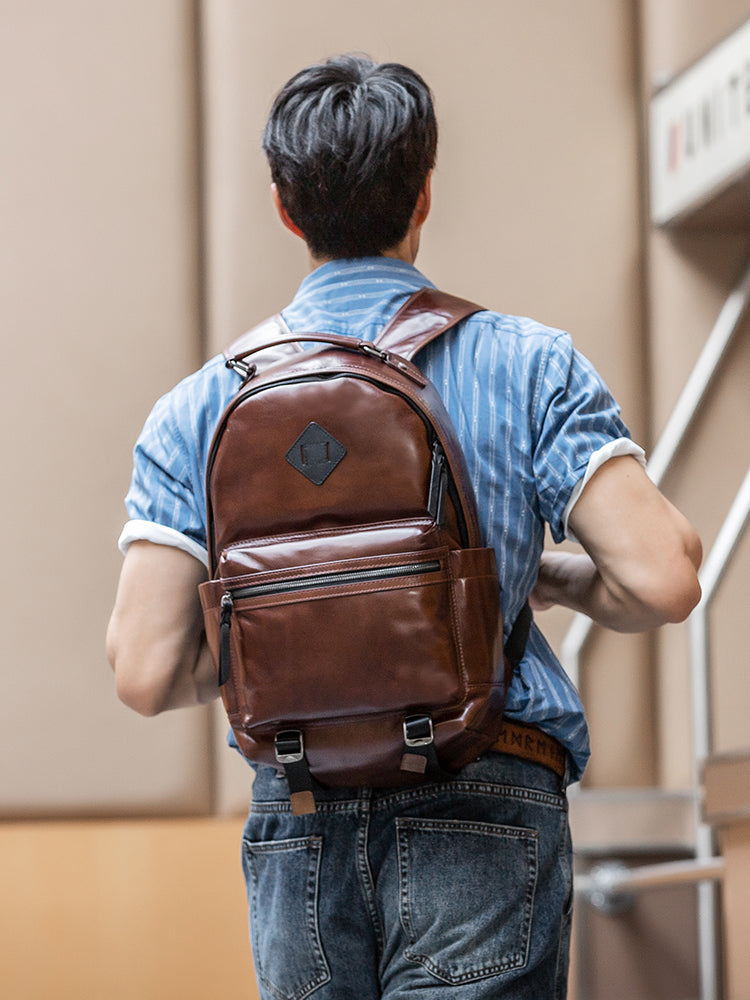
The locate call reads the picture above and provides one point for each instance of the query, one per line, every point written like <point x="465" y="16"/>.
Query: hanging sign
<point x="699" y="128"/>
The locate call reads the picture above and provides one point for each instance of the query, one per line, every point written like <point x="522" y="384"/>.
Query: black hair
<point x="350" y="143"/>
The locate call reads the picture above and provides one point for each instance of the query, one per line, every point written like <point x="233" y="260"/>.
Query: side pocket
<point x="476" y="600"/>
<point x="466" y="896"/>
<point x="283" y="886"/>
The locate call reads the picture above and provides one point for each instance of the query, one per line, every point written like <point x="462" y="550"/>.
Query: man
<point x="459" y="889"/>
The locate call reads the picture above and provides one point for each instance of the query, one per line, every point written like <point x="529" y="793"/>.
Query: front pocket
<point x="287" y="950"/>
<point x="466" y="896"/>
<point x="342" y="633"/>
<point x="298" y="637"/>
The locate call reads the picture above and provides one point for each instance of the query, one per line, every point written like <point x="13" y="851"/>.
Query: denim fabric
<point x="459" y="890"/>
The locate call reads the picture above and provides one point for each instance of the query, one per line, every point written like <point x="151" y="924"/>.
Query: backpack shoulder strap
<point x="423" y="317"/>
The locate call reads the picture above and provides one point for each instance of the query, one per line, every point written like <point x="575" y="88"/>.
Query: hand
<point x="540" y="598"/>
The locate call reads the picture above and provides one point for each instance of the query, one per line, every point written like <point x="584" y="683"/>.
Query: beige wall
<point x="100" y="311"/>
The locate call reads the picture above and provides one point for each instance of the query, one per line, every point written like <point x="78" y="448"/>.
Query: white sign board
<point x="700" y="130"/>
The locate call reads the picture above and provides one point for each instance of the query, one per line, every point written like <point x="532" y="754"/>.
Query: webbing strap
<point x="290" y="753"/>
<point x="519" y="634"/>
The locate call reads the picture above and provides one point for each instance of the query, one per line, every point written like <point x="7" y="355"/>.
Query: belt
<point x="530" y="743"/>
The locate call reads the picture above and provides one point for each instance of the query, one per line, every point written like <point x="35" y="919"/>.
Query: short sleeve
<point x="163" y="489"/>
<point x="576" y="416"/>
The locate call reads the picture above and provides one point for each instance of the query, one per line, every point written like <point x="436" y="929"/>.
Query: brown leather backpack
<point x="352" y="611"/>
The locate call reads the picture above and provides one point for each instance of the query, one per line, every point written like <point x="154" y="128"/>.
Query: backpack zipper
<point x="337" y="578"/>
<point x="438" y="485"/>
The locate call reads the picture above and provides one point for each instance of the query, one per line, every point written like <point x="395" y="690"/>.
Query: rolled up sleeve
<point x="579" y="417"/>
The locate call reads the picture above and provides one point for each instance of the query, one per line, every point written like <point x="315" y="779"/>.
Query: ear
<point x="424" y="202"/>
<point x="283" y="214"/>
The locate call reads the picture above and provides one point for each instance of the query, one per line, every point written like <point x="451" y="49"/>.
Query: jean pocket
<point x="466" y="896"/>
<point x="283" y="879"/>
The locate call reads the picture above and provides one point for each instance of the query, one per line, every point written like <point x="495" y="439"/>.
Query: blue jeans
<point x="458" y="890"/>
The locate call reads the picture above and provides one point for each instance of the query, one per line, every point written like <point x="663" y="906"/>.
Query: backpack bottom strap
<point x="290" y="753"/>
<point x="420" y="756"/>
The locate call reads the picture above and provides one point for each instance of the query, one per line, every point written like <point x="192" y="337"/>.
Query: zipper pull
<point x="438" y="485"/>
<point x="225" y="648"/>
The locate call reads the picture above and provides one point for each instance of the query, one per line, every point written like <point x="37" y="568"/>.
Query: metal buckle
<point x="370" y="349"/>
<point x="289" y="746"/>
<point x="418" y="731"/>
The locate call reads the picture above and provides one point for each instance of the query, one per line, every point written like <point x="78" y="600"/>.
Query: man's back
<point x="351" y="901"/>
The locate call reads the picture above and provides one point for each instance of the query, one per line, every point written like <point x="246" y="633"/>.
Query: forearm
<point x="195" y="684"/>
<point x="572" y="581"/>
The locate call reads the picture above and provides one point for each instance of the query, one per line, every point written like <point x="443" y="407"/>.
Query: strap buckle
<point x="289" y="746"/>
<point x="418" y="731"/>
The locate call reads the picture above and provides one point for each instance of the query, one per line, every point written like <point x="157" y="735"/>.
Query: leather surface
<point x="421" y="319"/>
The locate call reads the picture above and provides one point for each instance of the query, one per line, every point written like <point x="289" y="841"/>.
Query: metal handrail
<point x="605" y="884"/>
<point x="673" y="435"/>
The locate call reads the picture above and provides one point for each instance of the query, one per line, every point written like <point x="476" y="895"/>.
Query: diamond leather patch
<point x="315" y="453"/>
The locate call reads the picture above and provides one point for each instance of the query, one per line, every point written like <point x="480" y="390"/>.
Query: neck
<point x="406" y="250"/>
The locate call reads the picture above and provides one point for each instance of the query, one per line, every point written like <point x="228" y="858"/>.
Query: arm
<point x="155" y="639"/>
<point x="642" y="555"/>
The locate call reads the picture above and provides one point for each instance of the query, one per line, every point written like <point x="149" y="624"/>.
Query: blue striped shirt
<point x="530" y="411"/>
